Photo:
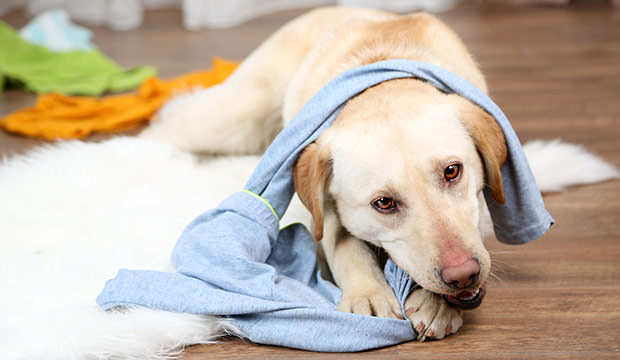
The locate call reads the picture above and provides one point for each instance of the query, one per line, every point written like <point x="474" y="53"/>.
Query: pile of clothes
<point x="55" y="58"/>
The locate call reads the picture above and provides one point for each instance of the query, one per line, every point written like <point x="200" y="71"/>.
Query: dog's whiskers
<point x="494" y="252"/>
<point x="497" y="267"/>
<point x="499" y="263"/>
<point x="496" y="277"/>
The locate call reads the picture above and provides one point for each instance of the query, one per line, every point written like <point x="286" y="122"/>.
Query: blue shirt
<point x="235" y="261"/>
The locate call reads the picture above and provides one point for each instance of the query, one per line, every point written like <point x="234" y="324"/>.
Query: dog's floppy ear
<point x="491" y="145"/>
<point x="310" y="174"/>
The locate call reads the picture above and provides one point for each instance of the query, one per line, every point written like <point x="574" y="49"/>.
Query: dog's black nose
<point x="461" y="276"/>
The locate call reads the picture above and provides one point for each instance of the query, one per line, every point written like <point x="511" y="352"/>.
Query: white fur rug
<point x="74" y="213"/>
<point x="71" y="215"/>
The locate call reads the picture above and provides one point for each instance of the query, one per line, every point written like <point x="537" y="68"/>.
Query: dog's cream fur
<point x="73" y="214"/>
<point x="394" y="139"/>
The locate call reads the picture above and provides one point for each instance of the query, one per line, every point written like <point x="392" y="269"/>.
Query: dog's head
<point x="404" y="166"/>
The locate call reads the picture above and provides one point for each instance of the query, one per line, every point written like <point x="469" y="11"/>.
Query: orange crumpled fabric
<point x="57" y="116"/>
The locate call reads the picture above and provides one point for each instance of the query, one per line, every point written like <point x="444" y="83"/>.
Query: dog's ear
<point x="310" y="174"/>
<point x="491" y="145"/>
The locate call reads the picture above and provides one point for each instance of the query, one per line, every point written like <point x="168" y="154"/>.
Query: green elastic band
<point x="291" y="224"/>
<point x="263" y="200"/>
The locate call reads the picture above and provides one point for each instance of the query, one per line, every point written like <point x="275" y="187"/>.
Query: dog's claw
<point x="420" y="328"/>
<point x="431" y="316"/>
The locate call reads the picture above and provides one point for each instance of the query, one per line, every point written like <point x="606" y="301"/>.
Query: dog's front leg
<point x="364" y="289"/>
<point x="431" y="316"/>
<point x="356" y="271"/>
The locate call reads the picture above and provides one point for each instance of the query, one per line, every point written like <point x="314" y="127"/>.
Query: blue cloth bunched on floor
<point x="235" y="261"/>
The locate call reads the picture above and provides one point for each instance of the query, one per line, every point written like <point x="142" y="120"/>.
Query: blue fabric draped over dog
<point x="235" y="261"/>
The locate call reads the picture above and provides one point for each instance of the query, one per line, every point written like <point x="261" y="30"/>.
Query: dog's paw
<point x="372" y="301"/>
<point x="431" y="316"/>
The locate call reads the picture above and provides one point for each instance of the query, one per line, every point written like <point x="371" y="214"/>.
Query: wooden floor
<point x="556" y="74"/>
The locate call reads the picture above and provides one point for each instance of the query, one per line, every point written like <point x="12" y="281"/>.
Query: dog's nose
<point x="461" y="276"/>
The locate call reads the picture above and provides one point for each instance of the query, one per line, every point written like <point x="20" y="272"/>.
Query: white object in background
<point x="223" y="14"/>
<point x="192" y="14"/>
<point x="116" y="14"/>
<point x="34" y="7"/>
<point x="124" y="14"/>
<point x="92" y="12"/>
<point x="403" y="5"/>
<point x="54" y="30"/>
<point x="127" y="14"/>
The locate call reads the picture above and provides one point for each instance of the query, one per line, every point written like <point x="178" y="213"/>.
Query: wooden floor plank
<point x="236" y="349"/>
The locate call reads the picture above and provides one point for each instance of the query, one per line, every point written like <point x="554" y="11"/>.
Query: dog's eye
<point x="452" y="172"/>
<point x="385" y="204"/>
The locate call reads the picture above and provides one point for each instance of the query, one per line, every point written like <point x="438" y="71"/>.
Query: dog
<point x="398" y="173"/>
<point x="402" y="169"/>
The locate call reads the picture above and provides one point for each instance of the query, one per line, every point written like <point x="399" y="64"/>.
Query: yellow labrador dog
<point x="402" y="168"/>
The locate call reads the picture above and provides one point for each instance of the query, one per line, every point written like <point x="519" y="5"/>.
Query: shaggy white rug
<point x="71" y="215"/>
<point x="74" y="213"/>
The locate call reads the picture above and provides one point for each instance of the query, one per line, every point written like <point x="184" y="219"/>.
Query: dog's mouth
<point x="467" y="300"/>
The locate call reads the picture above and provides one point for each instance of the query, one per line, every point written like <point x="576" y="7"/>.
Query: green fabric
<point x="75" y="72"/>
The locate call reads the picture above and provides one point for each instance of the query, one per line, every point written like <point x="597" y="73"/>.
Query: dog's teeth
<point x="470" y="297"/>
